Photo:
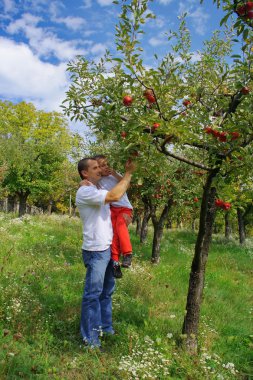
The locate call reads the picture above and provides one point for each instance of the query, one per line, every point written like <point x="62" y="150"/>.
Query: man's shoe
<point x="127" y="261"/>
<point x="116" y="270"/>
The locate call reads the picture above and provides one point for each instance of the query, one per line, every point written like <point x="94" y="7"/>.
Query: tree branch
<point x="183" y="159"/>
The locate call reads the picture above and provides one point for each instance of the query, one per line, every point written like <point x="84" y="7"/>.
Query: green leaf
<point x="117" y="59"/>
<point x="245" y="34"/>
<point x="225" y="18"/>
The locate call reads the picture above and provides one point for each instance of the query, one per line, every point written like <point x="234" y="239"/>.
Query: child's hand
<point x="110" y="171"/>
<point x="85" y="182"/>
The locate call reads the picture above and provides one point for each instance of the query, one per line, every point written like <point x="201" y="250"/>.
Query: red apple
<point x="223" y="136"/>
<point x="215" y="133"/>
<point x="123" y="134"/>
<point x="151" y="99"/>
<point x="235" y="135"/>
<point x="155" y="126"/>
<point x="219" y="202"/>
<point x="241" y="10"/>
<point x="186" y="102"/>
<point x="195" y="199"/>
<point x="249" y="5"/>
<point x="249" y="15"/>
<point x="226" y="206"/>
<point x="245" y="90"/>
<point x="127" y="100"/>
<point x="208" y="130"/>
<point x="148" y="92"/>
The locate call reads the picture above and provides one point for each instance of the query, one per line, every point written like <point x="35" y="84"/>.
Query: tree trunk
<point x="144" y="224"/>
<point x="158" y="229"/>
<point x="228" y="229"/>
<point x="11" y="203"/>
<point x="138" y="224"/>
<point x="197" y="275"/>
<point x="157" y="238"/>
<point x="49" y="207"/>
<point x="241" y="226"/>
<point x="2" y="205"/>
<point x="22" y="203"/>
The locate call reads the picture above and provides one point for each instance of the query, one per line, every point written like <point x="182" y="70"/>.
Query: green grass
<point x="40" y="294"/>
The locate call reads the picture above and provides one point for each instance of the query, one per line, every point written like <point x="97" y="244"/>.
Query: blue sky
<point x="39" y="37"/>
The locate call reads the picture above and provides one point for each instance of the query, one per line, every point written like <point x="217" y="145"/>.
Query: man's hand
<point x="85" y="182"/>
<point x="128" y="219"/>
<point x="130" y="166"/>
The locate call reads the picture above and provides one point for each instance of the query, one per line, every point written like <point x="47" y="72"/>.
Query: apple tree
<point x="197" y="111"/>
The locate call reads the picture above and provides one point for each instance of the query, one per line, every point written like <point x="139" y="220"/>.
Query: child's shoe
<point x="127" y="261"/>
<point x="116" y="270"/>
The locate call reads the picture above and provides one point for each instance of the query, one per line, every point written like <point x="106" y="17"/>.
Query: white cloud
<point x="154" y="41"/>
<point x="87" y="4"/>
<point x="104" y="2"/>
<point x="199" y="18"/>
<point x="159" y="22"/>
<point x="98" y="48"/>
<point x="24" y="76"/>
<point x="73" y="23"/>
<point x="55" y="8"/>
<point x="165" y="2"/>
<point x="43" y="42"/>
<point x="9" y="6"/>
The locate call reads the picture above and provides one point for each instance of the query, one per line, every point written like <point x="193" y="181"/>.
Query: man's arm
<point x="117" y="191"/>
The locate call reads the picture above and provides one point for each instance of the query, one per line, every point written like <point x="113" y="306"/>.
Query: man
<point x="93" y="205"/>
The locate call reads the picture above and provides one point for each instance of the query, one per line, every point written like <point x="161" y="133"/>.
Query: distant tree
<point x="33" y="146"/>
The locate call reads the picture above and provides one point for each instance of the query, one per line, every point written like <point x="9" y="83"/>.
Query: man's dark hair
<point x="99" y="157"/>
<point x="84" y="164"/>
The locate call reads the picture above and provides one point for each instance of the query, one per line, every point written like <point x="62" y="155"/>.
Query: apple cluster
<point x="221" y="136"/>
<point x="149" y="95"/>
<point x="223" y="205"/>
<point x="245" y="10"/>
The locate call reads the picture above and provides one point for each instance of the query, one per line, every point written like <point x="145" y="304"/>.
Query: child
<point x="121" y="215"/>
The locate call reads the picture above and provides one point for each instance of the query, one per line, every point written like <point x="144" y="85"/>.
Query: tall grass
<point x="40" y="294"/>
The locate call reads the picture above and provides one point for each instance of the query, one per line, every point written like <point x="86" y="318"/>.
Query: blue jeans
<point x="96" y="313"/>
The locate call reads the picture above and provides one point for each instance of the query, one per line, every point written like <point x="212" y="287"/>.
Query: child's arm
<point x="85" y="182"/>
<point x="115" y="175"/>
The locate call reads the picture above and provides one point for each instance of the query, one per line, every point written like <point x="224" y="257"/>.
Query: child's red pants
<point x="121" y="243"/>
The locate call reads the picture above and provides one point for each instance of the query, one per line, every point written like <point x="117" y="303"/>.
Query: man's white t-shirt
<point x="96" y="218"/>
<point x="107" y="183"/>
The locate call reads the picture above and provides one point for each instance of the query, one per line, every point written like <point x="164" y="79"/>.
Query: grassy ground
<point x="40" y="293"/>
